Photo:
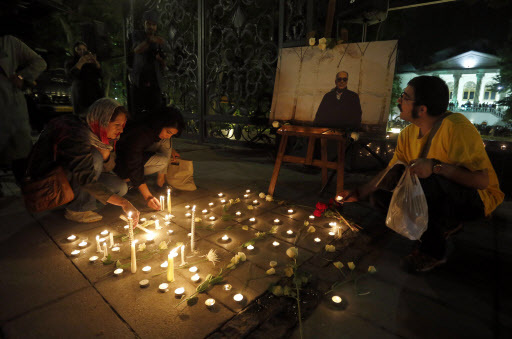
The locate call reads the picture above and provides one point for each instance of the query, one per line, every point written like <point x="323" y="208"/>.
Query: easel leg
<point x="277" y="166"/>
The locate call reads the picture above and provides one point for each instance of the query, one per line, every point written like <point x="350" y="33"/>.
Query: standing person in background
<point x="148" y="67"/>
<point x="85" y="72"/>
<point x="18" y="65"/>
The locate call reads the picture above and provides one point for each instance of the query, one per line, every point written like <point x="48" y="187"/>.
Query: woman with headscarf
<point x="86" y="151"/>
<point x="147" y="149"/>
<point x="85" y="72"/>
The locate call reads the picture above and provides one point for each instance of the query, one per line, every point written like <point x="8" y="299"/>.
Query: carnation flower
<point x="269" y="198"/>
<point x="372" y="269"/>
<point x="276" y="124"/>
<point x="262" y="195"/>
<point x="317" y="213"/>
<point x="338" y="264"/>
<point x="351" y="265"/>
<point x="250" y="207"/>
<point x="197" y="219"/>
<point x="212" y="256"/>
<point x="271" y="271"/>
<point x="311" y="229"/>
<point x="162" y="245"/>
<point x="141" y="247"/>
<point x="288" y="271"/>
<point x="354" y="135"/>
<point x="322" y="47"/>
<point x="321" y="206"/>
<point x="306" y="223"/>
<point x="273" y="263"/>
<point x="245" y="227"/>
<point x="322" y="41"/>
<point x="312" y="41"/>
<point x="292" y="252"/>
<point x="277" y="291"/>
<point x="242" y="256"/>
<point x="330" y="248"/>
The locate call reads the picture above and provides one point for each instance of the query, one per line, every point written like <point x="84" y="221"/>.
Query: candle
<point x="332" y="224"/>
<point x="246" y="196"/>
<point x="72" y="237"/>
<point x="311" y="217"/>
<point x="317" y="240"/>
<point x="111" y="239"/>
<point x="253" y="220"/>
<point x="205" y="211"/>
<point x="336" y="299"/>
<point x="255" y="202"/>
<point x="276" y="221"/>
<point x="169" y="200"/>
<point x="247" y="191"/>
<point x="339" y="198"/>
<point x="170" y="265"/>
<point x="289" y="232"/>
<point x="223" y="201"/>
<point x="210" y="204"/>
<point x="238" y="297"/>
<point x="183" y="255"/>
<point x="164" y="287"/>
<point x="98" y="246"/>
<point x="193" y="269"/>
<point x="146" y="269"/>
<point x="275" y="243"/>
<point x="82" y="244"/>
<point x="116" y="249"/>
<point x="212" y="218"/>
<point x="75" y="252"/>
<point x="126" y="227"/>
<point x="179" y="291"/>
<point x="188" y="214"/>
<point x="105" y="251"/>
<point x="225" y="237"/>
<point x="238" y="213"/>
<point x="210" y="302"/>
<point x="164" y="264"/>
<point x="144" y="283"/>
<point x="170" y="232"/>
<point x="142" y="220"/>
<point x="227" y="287"/>
<point x="195" y="278"/>
<point x="220" y="195"/>
<point x="157" y="225"/>
<point x="332" y="233"/>
<point x="150" y="236"/>
<point x="118" y="272"/>
<point x="93" y="258"/>
<point x="162" y="201"/>
<point x="290" y="211"/>
<point x="250" y="247"/>
<point x="187" y="207"/>
<point x="193" y="230"/>
<point x="104" y="233"/>
<point x="133" y="256"/>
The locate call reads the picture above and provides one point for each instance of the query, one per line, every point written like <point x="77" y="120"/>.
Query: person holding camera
<point x="85" y="72"/>
<point x="148" y="67"/>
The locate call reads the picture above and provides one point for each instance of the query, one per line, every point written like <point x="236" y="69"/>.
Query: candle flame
<point x="130" y="214"/>
<point x="194" y="208"/>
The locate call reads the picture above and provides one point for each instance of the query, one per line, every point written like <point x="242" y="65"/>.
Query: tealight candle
<point x="225" y="237"/>
<point x="82" y="244"/>
<point x="317" y="240"/>
<point x="187" y="207"/>
<point x="144" y="283"/>
<point x="72" y="237"/>
<point x="195" y="278"/>
<point x="188" y="214"/>
<point x="253" y="220"/>
<point x="277" y="221"/>
<point x="332" y="233"/>
<point x="220" y="195"/>
<point x="163" y="287"/>
<point x="209" y="302"/>
<point x="336" y="299"/>
<point x="116" y="249"/>
<point x="227" y="287"/>
<point x="142" y="220"/>
<point x="210" y="204"/>
<point x="164" y="264"/>
<point x="212" y="218"/>
<point x="205" y="211"/>
<point x="118" y="271"/>
<point x="146" y="269"/>
<point x="339" y="198"/>
<point x="93" y="258"/>
<point x="238" y="213"/>
<point x="223" y="201"/>
<point x="193" y="269"/>
<point x="246" y="196"/>
<point x="150" y="236"/>
<point x="179" y="291"/>
<point x="247" y="191"/>
<point x="311" y="217"/>
<point x="255" y="202"/>
<point x="289" y="232"/>
<point x="250" y="247"/>
<point x="126" y="227"/>
<point x="332" y="224"/>
<point x="104" y="233"/>
<point x="238" y="297"/>
<point x="290" y="211"/>
<point x="170" y="232"/>
<point x="275" y="243"/>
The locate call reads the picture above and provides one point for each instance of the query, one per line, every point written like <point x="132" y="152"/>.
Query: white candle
<point x="255" y="202"/>
<point x="150" y="236"/>
<point x="220" y="195"/>
<point x="82" y="244"/>
<point x="116" y="249"/>
<point x="157" y="225"/>
<point x="247" y="191"/>
<point x="332" y="224"/>
<point x="222" y="201"/>
<point x="317" y="240"/>
<point x="238" y="213"/>
<point x="336" y="299"/>
<point x="179" y="291"/>
<point x="250" y="247"/>
<point x="205" y="211"/>
<point x="111" y="239"/>
<point x="225" y="237"/>
<point x="227" y="287"/>
<point x="75" y="252"/>
<point x="104" y="233"/>
<point x="144" y="283"/>
<point x="162" y="202"/>
<point x="193" y="269"/>
<point x="105" y="250"/>
<point x="210" y="204"/>
<point x="98" y="247"/>
<point x="188" y="214"/>
<point x="164" y="264"/>
<point x="290" y="211"/>
<point x="209" y="302"/>
<point x="212" y="218"/>
<point x="253" y="220"/>
<point x="164" y="287"/>
<point x="169" y="200"/>
<point x="275" y="243"/>
<point x="93" y="258"/>
<point x="238" y="297"/>
<point x="146" y="269"/>
<point x="332" y="233"/>
<point x="311" y="217"/>
<point x="246" y="196"/>
<point x="170" y="265"/>
<point x="195" y="278"/>
<point x="193" y="229"/>
<point x="118" y="271"/>
<point x="170" y="232"/>
<point x="72" y="237"/>
<point x="133" y="256"/>
<point x="126" y="227"/>
<point x="276" y="221"/>
<point x="142" y="220"/>
<point x="289" y="232"/>
<point x="187" y="207"/>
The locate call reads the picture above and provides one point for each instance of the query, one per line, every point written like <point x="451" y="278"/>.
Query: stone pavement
<point x="45" y="292"/>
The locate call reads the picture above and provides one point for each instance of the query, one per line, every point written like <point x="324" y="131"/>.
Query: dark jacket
<point x="343" y="113"/>
<point x="86" y="87"/>
<point x="74" y="153"/>
<point x="131" y="155"/>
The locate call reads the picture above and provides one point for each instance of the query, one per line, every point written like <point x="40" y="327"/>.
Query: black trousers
<point x="147" y="101"/>
<point x="448" y="203"/>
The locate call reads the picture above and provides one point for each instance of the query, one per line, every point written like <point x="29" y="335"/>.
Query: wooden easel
<point x="312" y="133"/>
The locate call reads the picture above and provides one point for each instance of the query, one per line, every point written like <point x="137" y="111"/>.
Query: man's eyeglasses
<point x="404" y="96"/>
<point x="341" y="79"/>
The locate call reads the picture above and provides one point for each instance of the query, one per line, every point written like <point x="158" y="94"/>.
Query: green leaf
<point x="250" y="242"/>
<point x="227" y="217"/>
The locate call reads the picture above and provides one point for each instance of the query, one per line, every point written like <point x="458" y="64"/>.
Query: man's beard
<point x="399" y="107"/>
<point x="339" y="90"/>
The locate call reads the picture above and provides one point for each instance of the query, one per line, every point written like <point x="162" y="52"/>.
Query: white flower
<point x="271" y="271"/>
<point x="354" y="135"/>
<point x="312" y="41"/>
<point x="269" y="198"/>
<point x="250" y="207"/>
<point x="276" y="124"/>
<point x="262" y="195"/>
<point x="141" y="247"/>
<point x="330" y="248"/>
<point x="245" y="227"/>
<point x="273" y="263"/>
<point x="288" y="271"/>
<point x="306" y="223"/>
<point x="322" y="41"/>
<point x="273" y="230"/>
<point x="231" y="201"/>
<point x="338" y="264"/>
<point x="259" y="234"/>
<point x="197" y="219"/>
<point x="351" y="265"/>
<point x="322" y="47"/>
<point x="277" y="291"/>
<point x="292" y="252"/>
<point x="311" y="229"/>
<point x="242" y="256"/>
<point x="212" y="256"/>
<point x="237" y="200"/>
<point x="162" y="245"/>
<point x="372" y="269"/>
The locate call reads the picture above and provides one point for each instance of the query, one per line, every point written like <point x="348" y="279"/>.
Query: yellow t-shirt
<point x="457" y="142"/>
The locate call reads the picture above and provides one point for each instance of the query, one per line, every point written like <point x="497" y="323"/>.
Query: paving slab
<point x="82" y="314"/>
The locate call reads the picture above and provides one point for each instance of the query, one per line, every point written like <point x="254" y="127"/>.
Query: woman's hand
<point x="128" y="207"/>
<point x="154" y="203"/>
<point x="174" y="155"/>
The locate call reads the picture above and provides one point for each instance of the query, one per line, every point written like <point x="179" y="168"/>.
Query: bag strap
<point x="433" y="132"/>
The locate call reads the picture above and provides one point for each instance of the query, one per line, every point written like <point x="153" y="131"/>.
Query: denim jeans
<point x="448" y="203"/>
<point x="84" y="201"/>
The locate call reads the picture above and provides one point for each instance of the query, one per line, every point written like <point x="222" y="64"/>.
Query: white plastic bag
<point x="408" y="210"/>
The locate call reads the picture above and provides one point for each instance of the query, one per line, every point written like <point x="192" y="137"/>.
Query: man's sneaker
<point x="83" y="217"/>
<point x="418" y="261"/>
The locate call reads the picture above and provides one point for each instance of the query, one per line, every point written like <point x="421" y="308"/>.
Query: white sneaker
<point x="83" y="217"/>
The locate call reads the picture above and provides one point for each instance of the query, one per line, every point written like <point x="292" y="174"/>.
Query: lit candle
<point x="247" y="191"/>
<point x="187" y="207"/>
<point x="111" y="239"/>
<point x="98" y="246"/>
<point x="250" y="247"/>
<point x="179" y="291"/>
<point x="105" y="250"/>
<point x="118" y="272"/>
<point x="311" y="217"/>
<point x="253" y="220"/>
<point x="162" y="201"/>
<point x="209" y="302"/>
<point x="220" y="195"/>
<point x="188" y="214"/>
<point x="227" y="287"/>
<point x="75" y="252"/>
<point x="169" y="200"/>
<point x="290" y="211"/>
<point x="225" y="237"/>
<point x="275" y="243"/>
<point x="164" y="264"/>
<point x="289" y="232"/>
<point x="332" y="233"/>
<point x="170" y="265"/>
<point x="193" y="229"/>
<point x="238" y="213"/>
<point x="223" y="201"/>
<point x="170" y="232"/>
<point x="193" y="269"/>
<point x="146" y="269"/>
<point x="238" y="297"/>
<point x="104" y="233"/>
<point x="82" y="244"/>
<point x="339" y="198"/>
<point x="317" y="240"/>
<point x="116" y="249"/>
<point x="276" y="221"/>
<point x="205" y="211"/>
<point x="93" y="258"/>
<point x="332" y="224"/>
<point x="195" y="278"/>
<point x="133" y="256"/>
<point x="336" y="299"/>
<point x="72" y="237"/>
<point x="246" y="196"/>
<point x="164" y="287"/>
<point x="142" y="220"/>
<point x="126" y="227"/>
<point x="183" y="255"/>
<point x="255" y="202"/>
<point x="150" y="236"/>
<point x="210" y="204"/>
<point x="144" y="283"/>
<point x="212" y="218"/>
